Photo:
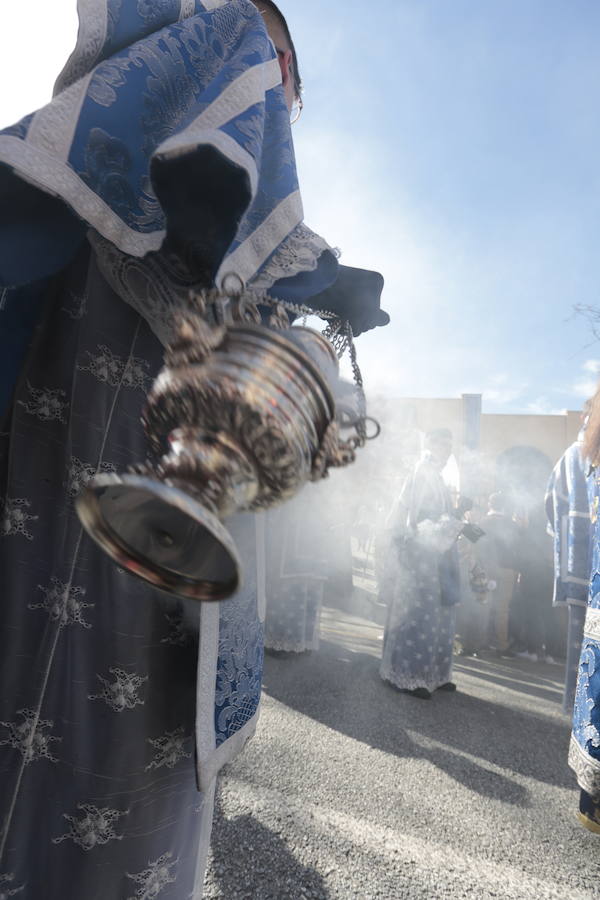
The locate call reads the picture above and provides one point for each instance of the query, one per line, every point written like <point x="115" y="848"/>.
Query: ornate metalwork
<point x="240" y="417"/>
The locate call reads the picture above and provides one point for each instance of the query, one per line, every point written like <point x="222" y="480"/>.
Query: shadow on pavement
<point x="526" y="684"/>
<point x="245" y="852"/>
<point x="342" y="689"/>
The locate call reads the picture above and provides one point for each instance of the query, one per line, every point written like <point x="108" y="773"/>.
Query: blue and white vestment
<point x="164" y="161"/>
<point x="584" y="752"/>
<point x="421" y="584"/>
<point x="295" y="573"/>
<point x="568" y="512"/>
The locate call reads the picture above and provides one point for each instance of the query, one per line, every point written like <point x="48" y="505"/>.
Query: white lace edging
<point x="591" y="629"/>
<point x="208" y="654"/>
<point x="298" y="252"/>
<point x="247" y="259"/>
<point x="210" y="767"/>
<point x="52" y="127"/>
<point x="292" y="646"/>
<point x="145" y="284"/>
<point x="57" y="179"/>
<point x="587" y="769"/>
<point x="411" y="684"/>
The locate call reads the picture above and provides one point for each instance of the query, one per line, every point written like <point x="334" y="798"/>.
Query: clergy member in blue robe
<point x="421" y="582"/>
<point x="164" y="162"/>
<point x="584" y="751"/>
<point x="295" y="572"/>
<point x="567" y="508"/>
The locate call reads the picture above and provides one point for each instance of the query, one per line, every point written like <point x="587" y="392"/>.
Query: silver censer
<point x="241" y="416"/>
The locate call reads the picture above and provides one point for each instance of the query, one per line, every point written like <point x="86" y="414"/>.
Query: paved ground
<point x="353" y="790"/>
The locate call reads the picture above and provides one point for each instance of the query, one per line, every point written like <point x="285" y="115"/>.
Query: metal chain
<point x="339" y="334"/>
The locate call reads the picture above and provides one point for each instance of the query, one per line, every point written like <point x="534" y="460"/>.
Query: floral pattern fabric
<point x="421" y="585"/>
<point x="99" y="713"/>
<point x="584" y="754"/>
<point x="156" y="95"/>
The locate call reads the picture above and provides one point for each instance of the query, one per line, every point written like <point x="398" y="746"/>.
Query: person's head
<point x="438" y="444"/>
<point x="279" y="33"/>
<point x="497" y="503"/>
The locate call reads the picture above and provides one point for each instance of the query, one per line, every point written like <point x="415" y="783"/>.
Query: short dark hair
<point x="274" y="9"/>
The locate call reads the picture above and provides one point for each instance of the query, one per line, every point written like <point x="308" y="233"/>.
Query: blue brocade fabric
<point x="584" y="755"/>
<point x="121" y="700"/>
<point x="168" y="130"/>
<point x="567" y="509"/>
<point x="421" y="585"/>
<point x="168" y="118"/>
<point x="568" y="512"/>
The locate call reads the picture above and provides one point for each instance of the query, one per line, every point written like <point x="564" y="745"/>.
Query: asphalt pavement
<point x="351" y="789"/>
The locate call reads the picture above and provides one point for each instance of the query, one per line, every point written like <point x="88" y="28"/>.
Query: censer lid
<point x="162" y="535"/>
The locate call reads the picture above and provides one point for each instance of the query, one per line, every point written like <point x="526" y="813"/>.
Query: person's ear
<point x="285" y="64"/>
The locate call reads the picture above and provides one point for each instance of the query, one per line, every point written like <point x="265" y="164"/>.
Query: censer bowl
<point x="161" y="534"/>
<point x="238" y="419"/>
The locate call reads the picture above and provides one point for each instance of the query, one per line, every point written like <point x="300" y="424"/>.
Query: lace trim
<point x="58" y="179"/>
<point x="293" y="646"/>
<point x="587" y="769"/>
<point x="248" y="258"/>
<point x="187" y="8"/>
<point x="299" y="252"/>
<point x="52" y="128"/>
<point x="208" y="655"/>
<point x="213" y="4"/>
<point x="209" y="768"/>
<point x="156" y="287"/>
<point x="592" y="624"/>
<point x="411" y="684"/>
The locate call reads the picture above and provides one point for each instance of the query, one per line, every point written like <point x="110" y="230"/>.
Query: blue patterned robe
<point x="296" y="567"/>
<point x="567" y="509"/>
<point x="421" y="584"/>
<point x="584" y="752"/>
<point x="120" y="703"/>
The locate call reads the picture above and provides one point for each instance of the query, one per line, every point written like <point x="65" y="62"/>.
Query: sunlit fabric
<point x="168" y="119"/>
<point x="584" y="753"/>
<point x="421" y="584"/>
<point x="168" y="130"/>
<point x="567" y="509"/>
<point x="112" y="712"/>
<point x="296" y="566"/>
<point x="164" y="161"/>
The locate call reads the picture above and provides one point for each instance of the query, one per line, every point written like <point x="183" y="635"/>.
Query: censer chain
<point x="339" y="334"/>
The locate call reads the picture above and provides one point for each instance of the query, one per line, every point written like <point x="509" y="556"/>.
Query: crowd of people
<point x="455" y="580"/>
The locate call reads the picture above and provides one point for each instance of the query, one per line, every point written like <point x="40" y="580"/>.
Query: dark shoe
<point x="448" y="686"/>
<point x="421" y="693"/>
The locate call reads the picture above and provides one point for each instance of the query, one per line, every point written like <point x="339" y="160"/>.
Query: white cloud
<point x="586" y="385"/>
<point x="502" y="389"/>
<point x="592" y="365"/>
<point x="543" y="406"/>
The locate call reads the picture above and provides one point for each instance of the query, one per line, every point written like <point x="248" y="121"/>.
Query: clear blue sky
<point x="452" y="144"/>
<point x="455" y="146"/>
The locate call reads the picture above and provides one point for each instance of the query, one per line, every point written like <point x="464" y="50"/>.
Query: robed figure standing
<point x="163" y="163"/>
<point x="568" y="513"/>
<point x="584" y="751"/>
<point x="421" y="582"/>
